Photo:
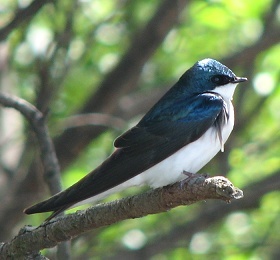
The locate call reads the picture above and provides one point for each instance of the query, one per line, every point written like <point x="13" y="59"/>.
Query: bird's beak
<point x="239" y="79"/>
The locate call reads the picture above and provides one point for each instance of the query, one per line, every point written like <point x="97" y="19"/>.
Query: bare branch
<point x="94" y="119"/>
<point x="36" y="120"/>
<point x="23" y="15"/>
<point x="192" y="190"/>
<point x="49" y="84"/>
<point x="48" y="155"/>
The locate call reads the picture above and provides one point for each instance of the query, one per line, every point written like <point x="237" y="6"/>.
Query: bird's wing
<point x="141" y="147"/>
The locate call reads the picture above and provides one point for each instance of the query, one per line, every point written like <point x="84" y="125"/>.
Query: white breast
<point x="190" y="158"/>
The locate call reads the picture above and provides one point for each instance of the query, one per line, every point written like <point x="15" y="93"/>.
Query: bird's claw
<point x="192" y="177"/>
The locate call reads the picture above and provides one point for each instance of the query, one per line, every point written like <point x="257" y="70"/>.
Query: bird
<point x="181" y="133"/>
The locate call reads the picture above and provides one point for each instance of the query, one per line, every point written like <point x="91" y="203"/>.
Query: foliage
<point x="59" y="60"/>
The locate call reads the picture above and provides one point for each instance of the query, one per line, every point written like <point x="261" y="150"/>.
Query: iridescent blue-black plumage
<point x="179" y="118"/>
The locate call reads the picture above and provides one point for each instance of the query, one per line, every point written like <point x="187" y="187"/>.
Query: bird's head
<point x="210" y="75"/>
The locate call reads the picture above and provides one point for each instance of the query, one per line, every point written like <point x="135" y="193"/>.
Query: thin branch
<point x="196" y="188"/>
<point x="94" y="119"/>
<point x="49" y="82"/>
<point x="37" y="121"/>
<point x="48" y="155"/>
<point x="23" y="15"/>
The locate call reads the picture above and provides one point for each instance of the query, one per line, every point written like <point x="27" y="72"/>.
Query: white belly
<point x="190" y="158"/>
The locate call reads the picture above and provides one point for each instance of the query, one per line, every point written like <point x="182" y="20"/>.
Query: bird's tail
<point x="47" y="206"/>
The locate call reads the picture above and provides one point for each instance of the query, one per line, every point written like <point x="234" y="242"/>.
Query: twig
<point x="23" y="15"/>
<point x="49" y="82"/>
<point x="94" y="119"/>
<point x="49" y="234"/>
<point x="36" y="120"/>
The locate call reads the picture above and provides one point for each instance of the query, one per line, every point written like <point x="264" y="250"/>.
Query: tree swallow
<point x="183" y="131"/>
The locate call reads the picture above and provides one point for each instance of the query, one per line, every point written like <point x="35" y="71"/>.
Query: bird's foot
<point x="196" y="175"/>
<point x="192" y="177"/>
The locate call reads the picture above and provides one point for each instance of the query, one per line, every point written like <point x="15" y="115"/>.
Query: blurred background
<point x="94" y="67"/>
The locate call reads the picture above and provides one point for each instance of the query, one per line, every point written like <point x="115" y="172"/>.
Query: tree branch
<point x="23" y="15"/>
<point x="93" y="119"/>
<point x="194" y="189"/>
<point x="37" y="121"/>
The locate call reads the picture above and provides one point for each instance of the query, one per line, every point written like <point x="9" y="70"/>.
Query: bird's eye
<point x="220" y="80"/>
